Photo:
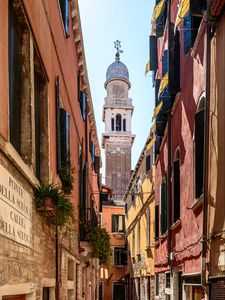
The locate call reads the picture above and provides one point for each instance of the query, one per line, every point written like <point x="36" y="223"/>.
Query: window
<point x="139" y="237"/>
<point x="148" y="223"/>
<point x="118" y="223"/>
<point x="157" y="222"/>
<point x="133" y="242"/>
<point x="82" y="101"/>
<point x="148" y="162"/>
<point x="65" y="138"/>
<point x="64" y="7"/>
<point x="165" y="62"/>
<point x="46" y="293"/>
<point x="28" y="122"/>
<point x="153" y="53"/>
<point x="92" y="152"/>
<point x="163" y="207"/>
<point x="190" y="29"/>
<point x="176" y="187"/>
<point x="124" y="124"/>
<point x="120" y="256"/>
<point x="63" y="133"/>
<point x="101" y="292"/>
<point x="118" y="122"/>
<point x="70" y="294"/>
<point x="41" y="121"/>
<point x="70" y="269"/>
<point x="112" y="124"/>
<point x="15" y="77"/>
<point x="199" y="148"/>
<point x="157" y="284"/>
<point x="168" y="280"/>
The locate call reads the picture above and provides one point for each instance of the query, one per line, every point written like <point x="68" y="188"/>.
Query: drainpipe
<point x="56" y="264"/>
<point x="169" y="144"/>
<point x="86" y="154"/>
<point x="206" y="150"/>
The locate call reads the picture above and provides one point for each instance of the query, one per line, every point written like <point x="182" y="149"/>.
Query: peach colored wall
<point x="113" y="273"/>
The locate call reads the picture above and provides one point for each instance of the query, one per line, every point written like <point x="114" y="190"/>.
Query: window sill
<point x="163" y="236"/>
<point x="157" y="243"/>
<point x="18" y="162"/>
<point x="197" y="204"/>
<point x="176" y="224"/>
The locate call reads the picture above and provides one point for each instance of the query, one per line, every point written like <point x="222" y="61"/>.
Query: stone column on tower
<point x="117" y="139"/>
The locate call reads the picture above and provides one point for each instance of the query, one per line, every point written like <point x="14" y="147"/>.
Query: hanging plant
<point x="51" y="201"/>
<point x="100" y="243"/>
<point x="67" y="179"/>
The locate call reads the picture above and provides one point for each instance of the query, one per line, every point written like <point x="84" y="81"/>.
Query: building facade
<point x="178" y="62"/>
<point x="140" y="219"/>
<point x="112" y="278"/>
<point x="216" y="212"/>
<point x="117" y="141"/>
<point x="47" y="123"/>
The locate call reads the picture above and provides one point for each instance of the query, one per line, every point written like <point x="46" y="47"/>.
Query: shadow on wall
<point x="217" y="143"/>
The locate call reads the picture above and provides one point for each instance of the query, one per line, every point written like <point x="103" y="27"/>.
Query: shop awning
<point x="157" y="110"/>
<point x="157" y="10"/>
<point x="153" y="128"/>
<point x="164" y="83"/>
<point x="150" y="144"/>
<point x="182" y="11"/>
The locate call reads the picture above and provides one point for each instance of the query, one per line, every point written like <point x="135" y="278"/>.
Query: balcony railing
<point x="118" y="102"/>
<point x="88" y="217"/>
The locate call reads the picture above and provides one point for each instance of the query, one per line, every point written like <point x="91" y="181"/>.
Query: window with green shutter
<point x="199" y="148"/>
<point x="118" y="223"/>
<point x="64" y="7"/>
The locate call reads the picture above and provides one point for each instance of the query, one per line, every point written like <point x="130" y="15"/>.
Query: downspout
<point x="57" y="284"/>
<point x="206" y="151"/>
<point x="86" y="154"/>
<point x="169" y="144"/>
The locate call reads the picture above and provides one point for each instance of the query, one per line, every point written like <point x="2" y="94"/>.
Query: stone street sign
<point x="15" y="209"/>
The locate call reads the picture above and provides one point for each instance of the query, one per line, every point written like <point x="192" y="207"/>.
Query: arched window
<point x="112" y="124"/>
<point x="118" y="122"/>
<point x="124" y="124"/>
<point x="176" y="186"/>
<point x="148" y="223"/>
<point x="199" y="147"/>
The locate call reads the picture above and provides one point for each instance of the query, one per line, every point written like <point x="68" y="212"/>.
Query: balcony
<point x="88" y="217"/>
<point x="119" y="102"/>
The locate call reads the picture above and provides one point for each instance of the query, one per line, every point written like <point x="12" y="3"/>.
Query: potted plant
<point x="100" y="244"/>
<point x="66" y="176"/>
<point x="53" y="204"/>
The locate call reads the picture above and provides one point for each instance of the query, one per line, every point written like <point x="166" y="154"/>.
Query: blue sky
<point x="103" y="22"/>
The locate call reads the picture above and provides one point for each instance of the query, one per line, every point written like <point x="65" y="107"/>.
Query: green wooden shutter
<point x="15" y="78"/>
<point x="176" y="191"/>
<point x="153" y="53"/>
<point x="113" y="223"/>
<point x="199" y="152"/>
<point x="58" y="138"/>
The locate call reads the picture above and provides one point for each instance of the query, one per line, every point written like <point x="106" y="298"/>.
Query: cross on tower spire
<point x="117" y="46"/>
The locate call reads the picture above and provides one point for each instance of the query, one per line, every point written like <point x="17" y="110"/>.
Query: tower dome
<point x="117" y="70"/>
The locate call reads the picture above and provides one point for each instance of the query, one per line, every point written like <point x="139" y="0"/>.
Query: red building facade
<point x="178" y="60"/>
<point x="46" y="122"/>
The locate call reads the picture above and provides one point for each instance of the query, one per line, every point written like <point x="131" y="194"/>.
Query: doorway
<point x="118" y="291"/>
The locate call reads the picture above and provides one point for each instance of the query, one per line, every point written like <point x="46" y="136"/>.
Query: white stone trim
<point x="29" y="289"/>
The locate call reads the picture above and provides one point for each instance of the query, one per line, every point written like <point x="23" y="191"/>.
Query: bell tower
<point x="117" y="115"/>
